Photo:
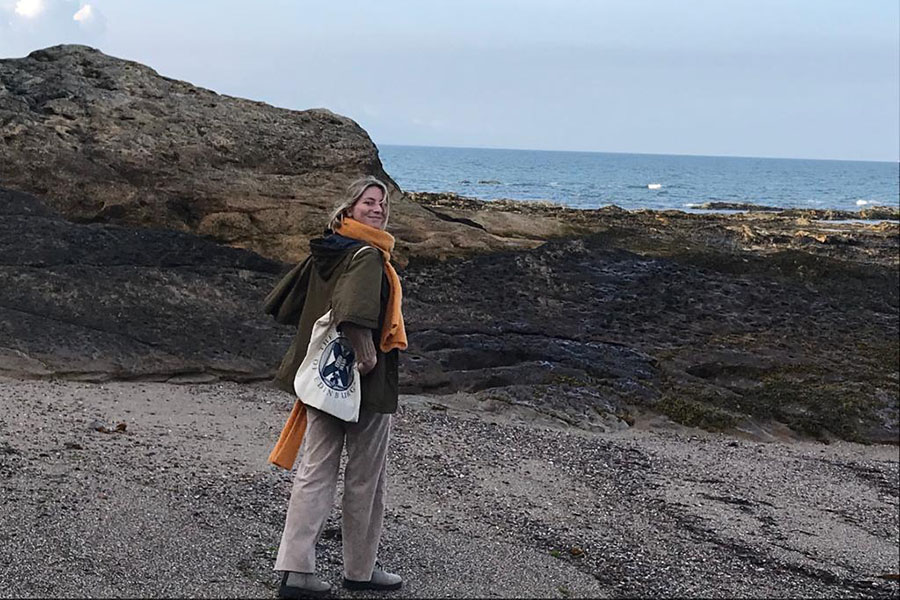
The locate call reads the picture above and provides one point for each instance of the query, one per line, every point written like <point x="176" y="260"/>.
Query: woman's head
<point x="366" y="201"/>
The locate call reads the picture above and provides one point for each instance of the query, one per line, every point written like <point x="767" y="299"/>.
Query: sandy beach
<point x="159" y="490"/>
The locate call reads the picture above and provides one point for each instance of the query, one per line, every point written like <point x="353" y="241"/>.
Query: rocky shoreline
<point x="863" y="236"/>
<point x="739" y="323"/>
<point x="742" y="322"/>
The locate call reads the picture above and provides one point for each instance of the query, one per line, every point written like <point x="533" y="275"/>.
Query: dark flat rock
<point x="99" y="301"/>
<point x="707" y="334"/>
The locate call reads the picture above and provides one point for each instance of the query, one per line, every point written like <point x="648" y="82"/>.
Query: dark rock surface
<point x="748" y="206"/>
<point x="710" y="338"/>
<point x="870" y="213"/>
<point x="95" y="301"/>
<point x="654" y="312"/>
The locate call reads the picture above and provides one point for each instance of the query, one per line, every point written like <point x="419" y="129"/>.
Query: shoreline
<point x="871" y="214"/>
<point x="522" y="224"/>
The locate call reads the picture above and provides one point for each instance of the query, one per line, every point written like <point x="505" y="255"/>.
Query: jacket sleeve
<point x="357" y="293"/>
<point x="285" y="301"/>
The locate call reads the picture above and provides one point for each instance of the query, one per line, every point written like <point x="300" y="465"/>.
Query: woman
<point x="348" y="271"/>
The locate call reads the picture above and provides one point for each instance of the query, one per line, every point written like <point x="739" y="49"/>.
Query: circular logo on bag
<point x="336" y="364"/>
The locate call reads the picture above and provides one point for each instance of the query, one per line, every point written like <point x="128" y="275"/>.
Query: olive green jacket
<point x="356" y="290"/>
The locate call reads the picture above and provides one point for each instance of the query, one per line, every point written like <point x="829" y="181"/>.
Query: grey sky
<point x="787" y="78"/>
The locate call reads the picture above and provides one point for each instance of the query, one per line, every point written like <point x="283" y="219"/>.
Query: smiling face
<point x="370" y="209"/>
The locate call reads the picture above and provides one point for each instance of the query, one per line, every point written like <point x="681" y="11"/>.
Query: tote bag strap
<point x="360" y="251"/>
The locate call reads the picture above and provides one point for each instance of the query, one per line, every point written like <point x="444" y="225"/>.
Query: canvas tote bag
<point x="328" y="378"/>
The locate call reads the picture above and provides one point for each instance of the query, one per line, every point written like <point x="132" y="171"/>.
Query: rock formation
<point x="589" y="330"/>
<point x="100" y="301"/>
<point x="109" y="140"/>
<point x="587" y="317"/>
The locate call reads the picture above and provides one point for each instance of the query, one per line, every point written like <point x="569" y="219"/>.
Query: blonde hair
<point x="354" y="191"/>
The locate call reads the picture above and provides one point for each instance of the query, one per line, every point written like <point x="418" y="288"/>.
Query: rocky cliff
<point x="108" y="140"/>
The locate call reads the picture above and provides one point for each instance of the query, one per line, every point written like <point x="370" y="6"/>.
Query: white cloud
<point x="29" y="8"/>
<point x="89" y="19"/>
<point x="51" y="14"/>
<point x="31" y="24"/>
<point x="85" y="13"/>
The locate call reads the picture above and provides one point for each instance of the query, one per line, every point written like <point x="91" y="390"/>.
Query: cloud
<point x="31" y="24"/>
<point x="56" y="16"/>
<point x="90" y="19"/>
<point x="29" y="8"/>
<point x="85" y="13"/>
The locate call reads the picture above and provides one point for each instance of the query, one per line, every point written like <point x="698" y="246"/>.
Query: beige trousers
<point x="315" y="481"/>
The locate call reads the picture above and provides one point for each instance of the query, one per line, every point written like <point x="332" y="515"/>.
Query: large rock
<point x="110" y="140"/>
<point x="100" y="301"/>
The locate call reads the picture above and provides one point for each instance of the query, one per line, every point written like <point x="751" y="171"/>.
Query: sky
<point x="775" y="78"/>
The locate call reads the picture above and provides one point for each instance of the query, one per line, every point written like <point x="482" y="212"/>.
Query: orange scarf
<point x="393" y="335"/>
<point x="288" y="445"/>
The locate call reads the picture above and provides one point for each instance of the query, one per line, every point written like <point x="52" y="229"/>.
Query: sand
<point x="180" y="502"/>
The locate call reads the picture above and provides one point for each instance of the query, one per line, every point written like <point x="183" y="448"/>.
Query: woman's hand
<point x="363" y="346"/>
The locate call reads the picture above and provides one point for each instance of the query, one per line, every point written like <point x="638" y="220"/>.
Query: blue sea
<point x="633" y="181"/>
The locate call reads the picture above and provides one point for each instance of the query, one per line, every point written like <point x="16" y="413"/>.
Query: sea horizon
<point x="748" y="156"/>
<point x="588" y="179"/>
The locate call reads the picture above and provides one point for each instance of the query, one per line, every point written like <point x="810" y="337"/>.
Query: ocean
<point x="634" y="181"/>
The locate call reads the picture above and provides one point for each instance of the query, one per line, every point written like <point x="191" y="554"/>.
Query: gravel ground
<point x="179" y="502"/>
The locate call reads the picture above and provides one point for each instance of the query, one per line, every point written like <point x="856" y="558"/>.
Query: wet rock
<point x="736" y="206"/>
<point x="712" y="335"/>
<point x="676" y="318"/>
